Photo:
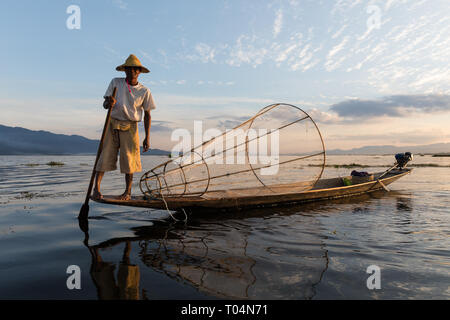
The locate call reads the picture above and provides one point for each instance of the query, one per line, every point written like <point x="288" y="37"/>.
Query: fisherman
<point x="132" y="99"/>
<point x="403" y="159"/>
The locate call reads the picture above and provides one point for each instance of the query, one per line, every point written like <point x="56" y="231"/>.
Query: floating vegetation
<point x="357" y="165"/>
<point x="33" y="195"/>
<point x="347" y="166"/>
<point x="26" y="195"/>
<point x="51" y="163"/>
<point x="54" y="163"/>
<point x="419" y="165"/>
<point x="441" y="155"/>
<point x="351" y="165"/>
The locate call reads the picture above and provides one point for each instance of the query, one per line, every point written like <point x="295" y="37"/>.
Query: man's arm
<point x="147" y="126"/>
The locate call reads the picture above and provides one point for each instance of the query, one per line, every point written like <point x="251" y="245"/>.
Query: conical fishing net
<point x="279" y="150"/>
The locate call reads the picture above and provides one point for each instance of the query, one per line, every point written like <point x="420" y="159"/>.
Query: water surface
<point x="310" y="251"/>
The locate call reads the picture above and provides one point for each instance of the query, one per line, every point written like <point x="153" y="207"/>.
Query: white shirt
<point x="130" y="100"/>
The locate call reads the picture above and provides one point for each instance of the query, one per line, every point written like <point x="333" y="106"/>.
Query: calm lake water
<point x="309" y="251"/>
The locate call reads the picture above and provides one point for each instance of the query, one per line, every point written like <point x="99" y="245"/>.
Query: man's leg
<point x="130" y="160"/>
<point x="129" y="182"/>
<point x="98" y="180"/>
<point x="107" y="160"/>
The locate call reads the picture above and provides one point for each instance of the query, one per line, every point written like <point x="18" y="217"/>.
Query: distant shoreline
<point x="22" y="141"/>
<point x="71" y="154"/>
<point x="167" y="154"/>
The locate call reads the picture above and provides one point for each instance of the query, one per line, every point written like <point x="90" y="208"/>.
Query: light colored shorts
<point x="123" y="136"/>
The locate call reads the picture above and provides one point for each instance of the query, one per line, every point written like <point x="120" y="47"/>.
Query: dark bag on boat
<point x="361" y="177"/>
<point x="360" y="173"/>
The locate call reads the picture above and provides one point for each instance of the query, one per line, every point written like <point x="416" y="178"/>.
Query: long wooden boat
<point x="279" y="194"/>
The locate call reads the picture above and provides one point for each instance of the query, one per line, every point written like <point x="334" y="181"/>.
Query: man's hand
<point x="146" y="144"/>
<point x="109" y="102"/>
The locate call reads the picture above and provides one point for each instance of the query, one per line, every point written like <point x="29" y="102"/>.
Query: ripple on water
<point x="309" y="251"/>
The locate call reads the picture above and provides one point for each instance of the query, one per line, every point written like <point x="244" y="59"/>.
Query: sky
<point x="368" y="72"/>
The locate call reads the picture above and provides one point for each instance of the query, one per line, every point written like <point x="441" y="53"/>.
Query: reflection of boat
<point x="220" y="256"/>
<point x="259" y="196"/>
<point x="215" y="262"/>
<point x="248" y="254"/>
<point x="216" y="265"/>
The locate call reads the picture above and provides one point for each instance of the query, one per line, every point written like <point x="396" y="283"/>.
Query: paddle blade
<point x="84" y="226"/>
<point x="84" y="211"/>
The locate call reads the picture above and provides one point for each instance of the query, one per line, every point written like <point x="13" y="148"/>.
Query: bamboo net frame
<point x="195" y="174"/>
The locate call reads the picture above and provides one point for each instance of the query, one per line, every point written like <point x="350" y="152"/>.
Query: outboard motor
<point x="403" y="159"/>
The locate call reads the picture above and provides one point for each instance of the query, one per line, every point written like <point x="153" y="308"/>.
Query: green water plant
<point x="32" y="164"/>
<point x="55" y="163"/>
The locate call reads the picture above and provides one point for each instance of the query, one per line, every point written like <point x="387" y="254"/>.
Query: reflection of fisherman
<point x="102" y="273"/>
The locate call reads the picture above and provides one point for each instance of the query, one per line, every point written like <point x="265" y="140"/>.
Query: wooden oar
<point x="382" y="175"/>
<point x="85" y="207"/>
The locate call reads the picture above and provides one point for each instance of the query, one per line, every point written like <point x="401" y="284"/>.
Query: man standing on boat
<point x="132" y="99"/>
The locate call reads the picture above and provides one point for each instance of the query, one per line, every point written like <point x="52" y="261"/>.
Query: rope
<point x="170" y="213"/>
<point x="151" y="197"/>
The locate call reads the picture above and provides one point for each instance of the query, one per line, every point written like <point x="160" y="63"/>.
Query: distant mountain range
<point x="17" y="141"/>
<point x="388" y="149"/>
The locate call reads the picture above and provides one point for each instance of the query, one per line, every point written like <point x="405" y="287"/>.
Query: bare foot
<point x="124" y="196"/>
<point x="96" y="195"/>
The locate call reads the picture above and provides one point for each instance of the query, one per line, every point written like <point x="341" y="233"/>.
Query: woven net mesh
<point x="279" y="150"/>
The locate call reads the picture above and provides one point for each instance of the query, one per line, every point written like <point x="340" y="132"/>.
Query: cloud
<point x="224" y="122"/>
<point x="394" y="137"/>
<point x="146" y="56"/>
<point x="223" y="117"/>
<point x="408" y="54"/>
<point x="392" y="106"/>
<point x="284" y="54"/>
<point x="248" y="49"/>
<point x="327" y="117"/>
<point x="338" y="47"/>
<point x="220" y="83"/>
<point x="338" y="33"/>
<point x="121" y="4"/>
<point x="203" y="53"/>
<point x="332" y="64"/>
<point x="204" y="101"/>
<point x="228" y="124"/>
<point x="111" y="51"/>
<point x="343" y="6"/>
<point x="158" y="126"/>
<point x="278" y="23"/>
